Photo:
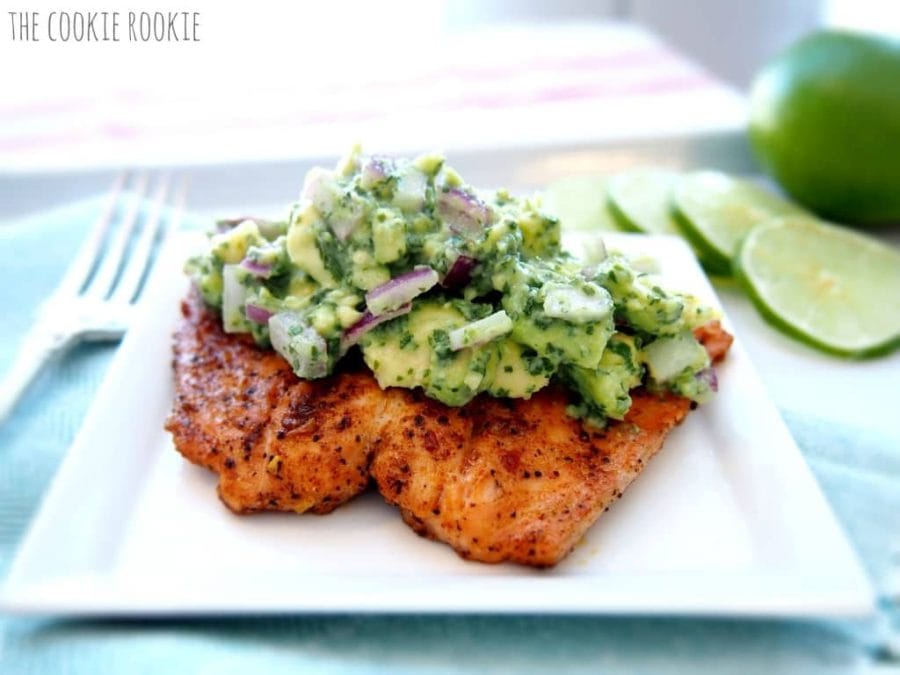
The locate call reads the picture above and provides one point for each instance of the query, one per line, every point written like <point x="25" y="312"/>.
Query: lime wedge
<point x="717" y="211"/>
<point x="833" y="288"/>
<point x="580" y="203"/>
<point x="639" y="200"/>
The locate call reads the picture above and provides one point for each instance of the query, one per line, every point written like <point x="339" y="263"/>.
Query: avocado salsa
<point x="450" y="289"/>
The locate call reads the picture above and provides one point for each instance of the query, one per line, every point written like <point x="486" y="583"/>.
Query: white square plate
<point x="726" y="520"/>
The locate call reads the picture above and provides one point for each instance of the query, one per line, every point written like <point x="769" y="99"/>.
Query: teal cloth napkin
<point x="859" y="471"/>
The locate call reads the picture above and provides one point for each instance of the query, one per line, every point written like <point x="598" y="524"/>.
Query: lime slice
<point x="717" y="211"/>
<point x="826" y="285"/>
<point x="580" y="203"/>
<point x="640" y="200"/>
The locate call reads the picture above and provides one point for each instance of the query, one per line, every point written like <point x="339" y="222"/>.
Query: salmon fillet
<point x="277" y="442"/>
<point x="716" y="340"/>
<point x="498" y="479"/>
<point x="519" y="480"/>
<point x="515" y="480"/>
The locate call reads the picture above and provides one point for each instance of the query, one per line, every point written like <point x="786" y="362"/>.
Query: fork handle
<point x="38" y="347"/>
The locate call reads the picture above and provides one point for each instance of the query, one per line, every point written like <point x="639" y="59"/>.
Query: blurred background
<point x="270" y="80"/>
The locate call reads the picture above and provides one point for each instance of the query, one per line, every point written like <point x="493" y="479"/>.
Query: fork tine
<point x="101" y="284"/>
<point x="80" y="268"/>
<point x="129" y="282"/>
<point x="178" y="205"/>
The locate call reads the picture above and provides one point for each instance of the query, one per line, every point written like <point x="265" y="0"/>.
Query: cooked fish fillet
<point x="277" y="443"/>
<point x="521" y="481"/>
<point x="716" y="340"/>
<point x="515" y="480"/>
<point x="498" y="479"/>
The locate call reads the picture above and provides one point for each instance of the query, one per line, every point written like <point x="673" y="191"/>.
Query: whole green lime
<point x="825" y="123"/>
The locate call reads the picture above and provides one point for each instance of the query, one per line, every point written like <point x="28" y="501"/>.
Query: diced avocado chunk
<point x="300" y="286"/>
<point x="210" y="286"/>
<point x="429" y="164"/>
<point x="604" y="390"/>
<point x="414" y="351"/>
<point x="272" y="254"/>
<point x="207" y="274"/>
<point x="540" y="232"/>
<point x="324" y="319"/>
<point x="639" y="300"/>
<point x="303" y="247"/>
<point x="230" y="247"/>
<point x="525" y="290"/>
<point x="562" y="342"/>
<point x="517" y="371"/>
<point x="455" y="377"/>
<point x="365" y="272"/>
<point x="333" y="311"/>
<point x="388" y="235"/>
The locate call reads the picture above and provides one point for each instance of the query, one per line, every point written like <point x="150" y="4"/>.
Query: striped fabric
<point x="491" y="88"/>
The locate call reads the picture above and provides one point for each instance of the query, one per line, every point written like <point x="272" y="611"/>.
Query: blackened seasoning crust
<point x="498" y="480"/>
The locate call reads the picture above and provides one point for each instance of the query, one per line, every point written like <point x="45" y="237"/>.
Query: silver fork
<point x="95" y="299"/>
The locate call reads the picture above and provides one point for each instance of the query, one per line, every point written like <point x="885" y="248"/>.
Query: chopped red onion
<point x="481" y="332"/>
<point x="318" y="187"/>
<point x="376" y="170"/>
<point x="226" y="224"/>
<point x="594" y="250"/>
<point x="321" y="188"/>
<point x="575" y="305"/>
<point x="708" y="375"/>
<point x="344" y="225"/>
<point x="460" y="272"/>
<point x="299" y="344"/>
<point x="269" y="229"/>
<point x="257" y="314"/>
<point x="257" y="269"/>
<point x="409" y="194"/>
<point x="644" y="264"/>
<point x="464" y="213"/>
<point x="368" y="321"/>
<point x="233" y="295"/>
<point x="400" y="290"/>
<point x="594" y="253"/>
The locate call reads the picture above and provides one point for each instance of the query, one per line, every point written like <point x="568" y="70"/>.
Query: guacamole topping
<point x="451" y="289"/>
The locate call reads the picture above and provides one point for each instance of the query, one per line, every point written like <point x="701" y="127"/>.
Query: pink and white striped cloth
<point x="503" y="87"/>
